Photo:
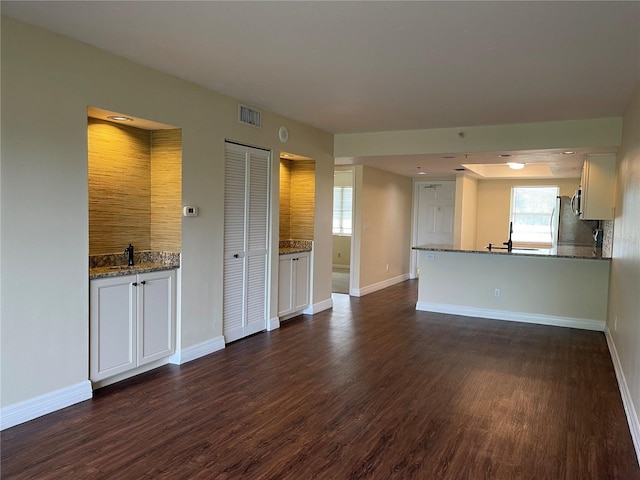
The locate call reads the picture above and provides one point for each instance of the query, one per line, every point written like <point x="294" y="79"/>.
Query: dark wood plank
<point x="373" y="389"/>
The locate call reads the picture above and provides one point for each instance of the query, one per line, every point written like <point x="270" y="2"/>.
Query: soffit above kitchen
<point x="544" y="163"/>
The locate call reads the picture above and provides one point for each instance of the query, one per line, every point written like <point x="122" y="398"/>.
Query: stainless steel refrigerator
<point x="568" y="229"/>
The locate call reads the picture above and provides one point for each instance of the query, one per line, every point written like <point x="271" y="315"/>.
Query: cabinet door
<point x="112" y="326"/>
<point x="285" y="285"/>
<point x="301" y="277"/>
<point x="598" y="185"/>
<point x="156" y="315"/>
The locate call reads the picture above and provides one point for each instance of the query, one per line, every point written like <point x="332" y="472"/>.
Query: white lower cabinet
<point x="132" y="321"/>
<point x="294" y="282"/>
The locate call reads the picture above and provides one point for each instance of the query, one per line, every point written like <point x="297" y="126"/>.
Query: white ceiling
<point x="367" y="66"/>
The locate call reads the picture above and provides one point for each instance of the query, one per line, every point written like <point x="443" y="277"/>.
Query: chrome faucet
<point x="129" y="252"/>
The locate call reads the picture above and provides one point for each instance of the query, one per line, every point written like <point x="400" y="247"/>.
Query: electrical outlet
<point x="615" y="324"/>
<point x="497" y="293"/>
<point x="387" y="267"/>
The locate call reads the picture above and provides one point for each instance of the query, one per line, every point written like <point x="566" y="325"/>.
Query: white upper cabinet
<point x="598" y="187"/>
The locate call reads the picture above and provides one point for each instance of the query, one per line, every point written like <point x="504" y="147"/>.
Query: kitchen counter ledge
<point x="121" y="270"/>
<point x="562" y="251"/>
<point x="115" y="264"/>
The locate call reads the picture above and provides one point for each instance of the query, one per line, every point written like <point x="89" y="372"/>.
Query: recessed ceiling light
<point x="504" y="155"/>
<point x="420" y="172"/>
<point x="120" y="118"/>
<point x="568" y="152"/>
<point x="515" y="166"/>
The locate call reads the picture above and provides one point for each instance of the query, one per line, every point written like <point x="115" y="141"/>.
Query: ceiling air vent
<point x="249" y="116"/>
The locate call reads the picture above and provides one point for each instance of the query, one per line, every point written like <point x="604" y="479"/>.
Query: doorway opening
<point x="342" y="230"/>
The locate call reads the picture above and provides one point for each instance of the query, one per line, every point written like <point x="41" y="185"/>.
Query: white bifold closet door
<point x="246" y="226"/>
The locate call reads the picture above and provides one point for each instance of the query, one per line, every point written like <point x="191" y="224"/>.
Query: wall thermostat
<point x="189" y="211"/>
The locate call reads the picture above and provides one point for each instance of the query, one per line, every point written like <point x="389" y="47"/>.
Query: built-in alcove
<point x="135" y="186"/>
<point x="297" y="198"/>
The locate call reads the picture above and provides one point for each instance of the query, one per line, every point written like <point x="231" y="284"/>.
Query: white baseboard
<point x="21" y="412"/>
<point x="196" y="351"/>
<point x="319" y="307"/>
<point x="310" y="310"/>
<point x="273" y="324"/>
<point x="360" y="292"/>
<point x="339" y="266"/>
<point x="582" y="323"/>
<point x="627" y="401"/>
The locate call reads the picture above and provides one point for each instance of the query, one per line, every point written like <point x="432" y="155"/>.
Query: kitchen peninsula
<point x="566" y="288"/>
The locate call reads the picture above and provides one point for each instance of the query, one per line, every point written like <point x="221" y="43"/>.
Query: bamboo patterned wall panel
<point x="119" y="187"/>
<point x="285" y="199"/>
<point x="303" y="199"/>
<point x="122" y="207"/>
<point x="297" y="199"/>
<point x="166" y="190"/>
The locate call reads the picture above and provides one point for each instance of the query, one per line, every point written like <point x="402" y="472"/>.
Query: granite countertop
<point x="561" y="251"/>
<point x="115" y="265"/>
<point x="287" y="247"/>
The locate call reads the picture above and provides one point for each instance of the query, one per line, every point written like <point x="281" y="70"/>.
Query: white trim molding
<point x="627" y="401"/>
<point x="196" y="351"/>
<point x="360" y="292"/>
<point x="318" y="307"/>
<point x="21" y="412"/>
<point x="570" y="322"/>
<point x="273" y="324"/>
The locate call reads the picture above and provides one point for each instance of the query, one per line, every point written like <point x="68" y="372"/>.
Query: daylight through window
<point x="532" y="212"/>
<point x="342" y="210"/>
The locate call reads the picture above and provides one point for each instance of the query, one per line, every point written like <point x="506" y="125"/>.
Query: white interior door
<point x="245" y="240"/>
<point x="434" y="215"/>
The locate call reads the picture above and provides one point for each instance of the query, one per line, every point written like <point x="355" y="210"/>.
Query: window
<point x="532" y="212"/>
<point x="342" y="210"/>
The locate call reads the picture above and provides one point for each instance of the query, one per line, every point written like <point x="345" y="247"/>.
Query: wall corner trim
<point x="26" y="410"/>
<point x="627" y="401"/>
<point x="273" y="324"/>
<point x="318" y="307"/>
<point x="196" y="351"/>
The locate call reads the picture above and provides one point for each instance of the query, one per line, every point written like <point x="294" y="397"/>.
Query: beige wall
<point x="466" y="216"/>
<point x="44" y="208"/>
<point x="385" y="226"/>
<point x="624" y="300"/>
<point x="532" y="288"/>
<point x="494" y="206"/>
<point x="341" y="250"/>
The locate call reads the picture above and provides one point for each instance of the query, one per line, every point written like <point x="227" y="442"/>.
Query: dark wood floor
<point x="372" y="389"/>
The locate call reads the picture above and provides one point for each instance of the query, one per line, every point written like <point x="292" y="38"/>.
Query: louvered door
<point x="245" y="240"/>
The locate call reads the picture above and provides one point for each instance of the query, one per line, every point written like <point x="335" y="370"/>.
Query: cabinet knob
<point x="135" y="284"/>
<point x="235" y="255"/>
<point x="143" y="282"/>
